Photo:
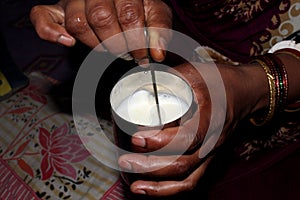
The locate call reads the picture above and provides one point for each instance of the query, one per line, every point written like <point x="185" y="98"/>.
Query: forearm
<point x="248" y="88"/>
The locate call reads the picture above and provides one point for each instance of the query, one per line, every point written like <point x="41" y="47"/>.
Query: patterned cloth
<point x="12" y="187"/>
<point x="41" y="151"/>
<point x="237" y="29"/>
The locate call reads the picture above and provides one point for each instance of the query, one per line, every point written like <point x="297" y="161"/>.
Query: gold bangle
<point x="272" y="96"/>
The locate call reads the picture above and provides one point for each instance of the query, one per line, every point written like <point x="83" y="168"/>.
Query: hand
<point x="175" y="173"/>
<point x="94" y="21"/>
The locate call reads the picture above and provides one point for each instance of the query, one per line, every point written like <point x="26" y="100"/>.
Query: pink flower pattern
<point x="59" y="150"/>
<point x="33" y="92"/>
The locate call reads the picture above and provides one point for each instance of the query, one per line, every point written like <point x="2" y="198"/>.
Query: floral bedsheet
<point x="41" y="155"/>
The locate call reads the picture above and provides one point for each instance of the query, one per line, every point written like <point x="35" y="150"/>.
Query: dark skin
<point x="92" y="22"/>
<point x="246" y="86"/>
<point x="246" y="83"/>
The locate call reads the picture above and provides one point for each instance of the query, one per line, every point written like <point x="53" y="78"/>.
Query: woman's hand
<point x="94" y="21"/>
<point x="174" y="172"/>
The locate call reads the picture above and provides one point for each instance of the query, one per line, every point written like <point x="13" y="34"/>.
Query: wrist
<point x="246" y="87"/>
<point x="276" y="72"/>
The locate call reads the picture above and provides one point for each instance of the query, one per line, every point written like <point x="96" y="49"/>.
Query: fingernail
<point x="125" y="165"/>
<point x="140" y="191"/>
<point x="126" y="56"/>
<point x="138" y="141"/>
<point x="143" y="62"/>
<point x="65" y="40"/>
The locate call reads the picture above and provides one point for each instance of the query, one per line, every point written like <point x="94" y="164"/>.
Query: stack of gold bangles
<point x="278" y="83"/>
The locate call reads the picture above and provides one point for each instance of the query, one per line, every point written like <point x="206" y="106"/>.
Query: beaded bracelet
<point x="295" y="53"/>
<point x="275" y="74"/>
<point x="271" y="81"/>
<point x="278" y="84"/>
<point x="281" y="81"/>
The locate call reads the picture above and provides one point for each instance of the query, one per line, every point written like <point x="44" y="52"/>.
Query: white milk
<point x="140" y="108"/>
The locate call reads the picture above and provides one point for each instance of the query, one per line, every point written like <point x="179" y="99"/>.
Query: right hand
<point x="170" y="172"/>
<point x="94" y="21"/>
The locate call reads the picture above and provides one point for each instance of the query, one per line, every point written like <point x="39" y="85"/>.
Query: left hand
<point x="176" y="173"/>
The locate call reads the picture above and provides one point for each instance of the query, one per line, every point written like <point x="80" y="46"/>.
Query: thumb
<point x="48" y="21"/>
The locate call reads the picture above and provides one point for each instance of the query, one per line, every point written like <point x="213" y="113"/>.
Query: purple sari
<point x="265" y="164"/>
<point x="235" y="28"/>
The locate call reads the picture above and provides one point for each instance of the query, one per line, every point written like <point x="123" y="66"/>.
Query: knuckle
<point x="76" y="24"/>
<point x="128" y="13"/>
<point x="42" y="29"/>
<point x="167" y="9"/>
<point x="182" y="167"/>
<point x="189" y="184"/>
<point x="44" y="32"/>
<point x="100" y="16"/>
<point x="34" y="10"/>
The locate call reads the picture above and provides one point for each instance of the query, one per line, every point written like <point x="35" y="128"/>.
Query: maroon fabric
<point x="272" y="175"/>
<point x="225" y="26"/>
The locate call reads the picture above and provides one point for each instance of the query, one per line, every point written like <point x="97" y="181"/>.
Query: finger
<point x="49" y="24"/>
<point x="159" y="19"/>
<point x="175" y="167"/>
<point x="169" y="188"/>
<point x="131" y="18"/>
<point x="77" y="25"/>
<point x="102" y="18"/>
<point x="171" y="139"/>
<point x="186" y="137"/>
